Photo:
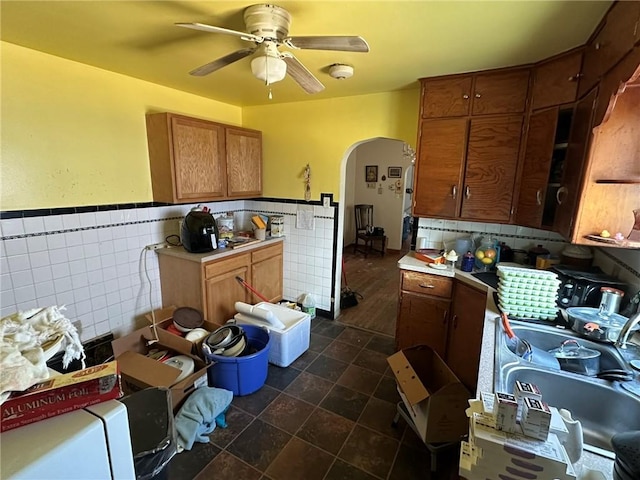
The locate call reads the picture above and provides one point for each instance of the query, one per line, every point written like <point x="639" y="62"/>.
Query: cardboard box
<point x="536" y="418"/>
<point x="504" y="412"/>
<point x="524" y="390"/>
<point x="435" y="398"/>
<point x="61" y="394"/>
<point x="139" y="371"/>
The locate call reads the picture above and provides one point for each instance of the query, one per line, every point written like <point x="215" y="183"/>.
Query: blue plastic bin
<point x="242" y="375"/>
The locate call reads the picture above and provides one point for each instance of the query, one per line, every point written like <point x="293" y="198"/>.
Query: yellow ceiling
<point x="408" y="40"/>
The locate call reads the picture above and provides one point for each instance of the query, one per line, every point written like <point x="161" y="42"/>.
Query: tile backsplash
<point x="95" y="262"/>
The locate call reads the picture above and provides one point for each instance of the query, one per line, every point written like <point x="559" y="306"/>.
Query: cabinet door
<point x="266" y="272"/>
<point x="438" y="174"/>
<point x="568" y="194"/>
<point x="244" y="162"/>
<point x="422" y="321"/>
<point x="198" y="159"/>
<point x="446" y="97"/>
<point x="502" y="92"/>
<point x="492" y="159"/>
<point x="465" y="334"/>
<point x="555" y="82"/>
<point x="222" y="292"/>
<point x="535" y="170"/>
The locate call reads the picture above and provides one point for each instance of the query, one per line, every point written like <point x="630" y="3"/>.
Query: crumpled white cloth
<point x="22" y="335"/>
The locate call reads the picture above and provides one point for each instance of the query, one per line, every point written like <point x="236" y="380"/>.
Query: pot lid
<point x="591" y="315"/>
<point x="571" y="349"/>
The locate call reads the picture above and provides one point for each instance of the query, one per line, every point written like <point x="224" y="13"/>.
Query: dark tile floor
<point x="327" y="416"/>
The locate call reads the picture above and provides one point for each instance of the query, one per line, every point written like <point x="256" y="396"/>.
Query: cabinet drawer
<point x="218" y="267"/>
<point x="266" y="252"/>
<point x="427" y="284"/>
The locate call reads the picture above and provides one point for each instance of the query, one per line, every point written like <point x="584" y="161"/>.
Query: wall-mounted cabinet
<point x="555" y="80"/>
<point x="195" y="160"/>
<point x="613" y="39"/>
<point x="468" y="145"/>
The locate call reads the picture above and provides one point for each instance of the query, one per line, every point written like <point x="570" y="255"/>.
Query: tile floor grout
<point x="330" y="335"/>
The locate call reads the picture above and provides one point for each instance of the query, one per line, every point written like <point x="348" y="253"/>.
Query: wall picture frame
<point x="394" y="172"/>
<point x="371" y="173"/>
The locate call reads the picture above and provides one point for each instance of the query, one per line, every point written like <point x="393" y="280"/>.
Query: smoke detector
<point x="340" y="71"/>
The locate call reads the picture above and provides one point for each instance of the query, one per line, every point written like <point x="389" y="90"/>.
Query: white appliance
<point x="91" y="443"/>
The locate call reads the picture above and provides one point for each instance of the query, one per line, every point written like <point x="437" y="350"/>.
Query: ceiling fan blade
<point x="208" y="28"/>
<point x="301" y="75"/>
<point x="340" y="43"/>
<point x="222" y="62"/>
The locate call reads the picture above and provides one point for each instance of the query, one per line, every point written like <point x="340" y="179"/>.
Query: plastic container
<point x="287" y="343"/>
<point x="242" y="375"/>
<point x="153" y="434"/>
<point x="308" y="305"/>
<point x="277" y="225"/>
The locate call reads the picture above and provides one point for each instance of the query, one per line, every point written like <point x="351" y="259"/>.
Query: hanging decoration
<point x="307" y="183"/>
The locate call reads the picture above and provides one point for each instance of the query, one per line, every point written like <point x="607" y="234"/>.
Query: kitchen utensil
<point x="241" y="281"/>
<point x="587" y="322"/>
<point x="524" y="349"/>
<point x="576" y="358"/>
<point x="229" y="337"/>
<point x="616" y="374"/>
<point x="186" y="319"/>
<point x="610" y="301"/>
<point x="183" y="363"/>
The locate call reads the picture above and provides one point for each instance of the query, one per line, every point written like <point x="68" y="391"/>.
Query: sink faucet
<point x="626" y="330"/>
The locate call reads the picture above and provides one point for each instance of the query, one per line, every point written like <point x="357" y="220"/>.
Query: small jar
<point x="277" y="225"/>
<point x="468" y="260"/>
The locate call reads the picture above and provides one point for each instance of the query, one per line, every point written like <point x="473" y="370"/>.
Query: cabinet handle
<point x="422" y="285"/>
<point x="575" y="78"/>
<point x="478" y="95"/>
<point x="455" y="321"/>
<point x="560" y="190"/>
<point x="467" y="192"/>
<point x="444" y="318"/>
<point x="454" y="191"/>
<point x="538" y="197"/>
<point x="465" y="96"/>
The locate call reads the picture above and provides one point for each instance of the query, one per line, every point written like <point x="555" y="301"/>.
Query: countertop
<point x="485" y="371"/>
<point x="180" y="252"/>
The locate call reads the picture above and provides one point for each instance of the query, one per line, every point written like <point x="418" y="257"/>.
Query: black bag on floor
<point x="348" y="298"/>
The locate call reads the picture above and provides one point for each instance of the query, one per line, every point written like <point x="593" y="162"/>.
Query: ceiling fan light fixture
<point x="268" y="69"/>
<point x="340" y="71"/>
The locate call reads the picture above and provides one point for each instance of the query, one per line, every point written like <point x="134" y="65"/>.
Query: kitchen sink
<point x="603" y="407"/>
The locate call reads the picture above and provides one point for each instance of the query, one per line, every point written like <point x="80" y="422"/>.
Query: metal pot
<point x="592" y="324"/>
<point x="573" y="357"/>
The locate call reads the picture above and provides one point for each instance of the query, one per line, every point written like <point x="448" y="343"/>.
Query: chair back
<point x="364" y="217"/>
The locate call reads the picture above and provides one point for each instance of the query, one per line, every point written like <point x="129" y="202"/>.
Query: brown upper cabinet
<point x="484" y="93"/>
<point x="194" y="160"/>
<point x="468" y="152"/>
<point x="555" y="81"/>
<point x="614" y="38"/>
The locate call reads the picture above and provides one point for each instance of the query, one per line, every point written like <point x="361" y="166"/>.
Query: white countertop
<point x="180" y="252"/>
<point x="486" y="366"/>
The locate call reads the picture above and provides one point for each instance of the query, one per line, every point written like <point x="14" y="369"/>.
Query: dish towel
<point x="197" y="417"/>
<point x="22" y="335"/>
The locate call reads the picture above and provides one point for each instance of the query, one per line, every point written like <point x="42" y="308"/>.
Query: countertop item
<point x="216" y="254"/>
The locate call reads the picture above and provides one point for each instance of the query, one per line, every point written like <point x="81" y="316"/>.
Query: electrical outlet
<point x="326" y="202"/>
<point x="156" y="246"/>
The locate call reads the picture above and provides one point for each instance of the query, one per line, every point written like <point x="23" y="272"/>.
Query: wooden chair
<point x="365" y="237"/>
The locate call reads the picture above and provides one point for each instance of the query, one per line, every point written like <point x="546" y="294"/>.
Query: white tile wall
<point x="94" y="263"/>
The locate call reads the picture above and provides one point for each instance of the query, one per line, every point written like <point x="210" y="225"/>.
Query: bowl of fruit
<point x="486" y="255"/>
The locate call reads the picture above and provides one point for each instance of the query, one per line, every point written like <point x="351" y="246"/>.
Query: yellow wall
<point x="319" y="132"/>
<point x="75" y="135"/>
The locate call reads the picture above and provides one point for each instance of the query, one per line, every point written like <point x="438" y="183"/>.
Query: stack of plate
<point x="528" y="293"/>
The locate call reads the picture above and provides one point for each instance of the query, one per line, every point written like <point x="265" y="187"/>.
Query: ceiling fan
<point x="268" y="28"/>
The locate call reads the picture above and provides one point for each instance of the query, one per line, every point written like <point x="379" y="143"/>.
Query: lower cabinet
<point x="212" y="287"/>
<point x="465" y="333"/>
<point x="423" y="311"/>
<point x="448" y="316"/>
